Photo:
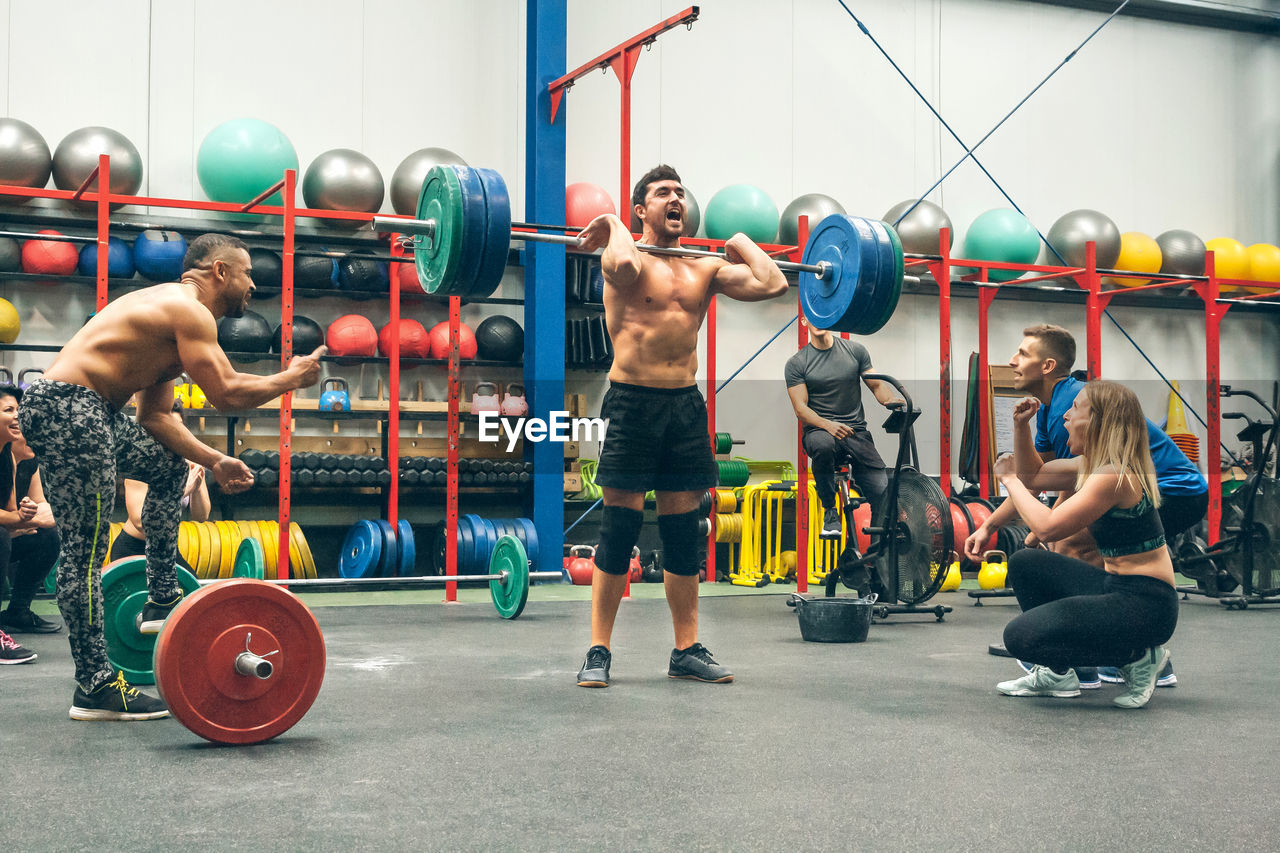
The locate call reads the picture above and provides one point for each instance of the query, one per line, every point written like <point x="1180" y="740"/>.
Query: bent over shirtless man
<point x="657" y="419"/>
<point x="72" y="419"/>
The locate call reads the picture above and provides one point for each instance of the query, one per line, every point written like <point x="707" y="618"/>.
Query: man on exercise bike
<point x="823" y="384"/>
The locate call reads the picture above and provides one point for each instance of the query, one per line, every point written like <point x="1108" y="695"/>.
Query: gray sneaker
<point x="1140" y="676"/>
<point x="697" y="663"/>
<point x="1042" y="681"/>
<point x="595" y="669"/>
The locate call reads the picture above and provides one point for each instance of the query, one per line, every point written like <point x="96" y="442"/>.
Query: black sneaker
<point x="25" y="622"/>
<point x="116" y="700"/>
<point x="830" y="524"/>
<point x="151" y="617"/>
<point x="11" y="652"/>
<point x="595" y="669"/>
<point x="697" y="663"/>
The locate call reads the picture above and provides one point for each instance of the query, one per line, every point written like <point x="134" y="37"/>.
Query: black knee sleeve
<point x="681" y="542"/>
<point x="618" y="534"/>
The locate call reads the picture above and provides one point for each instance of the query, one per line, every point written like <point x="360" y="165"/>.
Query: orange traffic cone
<point x="1177" y="428"/>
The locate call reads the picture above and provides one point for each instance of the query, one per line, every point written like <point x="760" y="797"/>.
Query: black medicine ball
<point x="10" y="255"/>
<point x="267" y="271"/>
<point x="314" y="272"/>
<point x="360" y="271"/>
<point x="250" y="333"/>
<point x="307" y="335"/>
<point x="500" y="338"/>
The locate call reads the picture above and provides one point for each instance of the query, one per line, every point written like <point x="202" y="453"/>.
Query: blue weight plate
<point x="847" y="243"/>
<point x="530" y="540"/>
<point x="484" y="546"/>
<point x="497" y="241"/>
<point x="891" y="304"/>
<point x="466" y="542"/>
<point x="390" y="556"/>
<point x="361" y="550"/>
<point x="408" y="552"/>
<point x="475" y="223"/>
<point x="869" y="282"/>
<point x="882" y="288"/>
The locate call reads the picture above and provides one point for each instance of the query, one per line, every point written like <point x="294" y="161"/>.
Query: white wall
<point x="1157" y="125"/>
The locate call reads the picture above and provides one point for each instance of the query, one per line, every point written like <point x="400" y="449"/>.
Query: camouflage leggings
<point x="83" y="444"/>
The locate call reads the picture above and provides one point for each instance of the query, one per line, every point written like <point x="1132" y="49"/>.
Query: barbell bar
<point x="425" y="580"/>
<point x="427" y="228"/>
<point x="850" y="276"/>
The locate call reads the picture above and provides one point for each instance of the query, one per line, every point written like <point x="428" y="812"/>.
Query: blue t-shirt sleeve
<point x="1042" y="430"/>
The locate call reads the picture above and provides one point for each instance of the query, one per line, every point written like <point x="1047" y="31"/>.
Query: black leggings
<point x="1075" y="614"/>
<point x="28" y="559"/>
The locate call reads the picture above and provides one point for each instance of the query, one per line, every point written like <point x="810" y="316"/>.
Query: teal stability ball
<point x="241" y="158"/>
<point x="1002" y="235"/>
<point x="742" y="207"/>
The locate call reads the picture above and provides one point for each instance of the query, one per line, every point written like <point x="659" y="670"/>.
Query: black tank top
<point x="1135" y="530"/>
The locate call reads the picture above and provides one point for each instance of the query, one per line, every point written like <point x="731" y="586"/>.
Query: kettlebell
<point x="635" y="571"/>
<point x="23" y="382"/>
<point x="337" y="399"/>
<point x="6" y="374"/>
<point x="485" y="398"/>
<point x="196" y="398"/>
<point x="582" y="565"/>
<point x="995" y="568"/>
<point x="952" y="581"/>
<point x="182" y="393"/>
<point x="513" y="402"/>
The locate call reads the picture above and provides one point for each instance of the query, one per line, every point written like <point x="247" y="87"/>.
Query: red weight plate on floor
<point x="196" y="654"/>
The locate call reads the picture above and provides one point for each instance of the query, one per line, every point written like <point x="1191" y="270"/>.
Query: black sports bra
<point x="1133" y="530"/>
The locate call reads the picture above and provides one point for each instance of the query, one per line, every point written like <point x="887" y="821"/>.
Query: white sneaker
<point x="1042" y="681"/>
<point x="1141" y="677"/>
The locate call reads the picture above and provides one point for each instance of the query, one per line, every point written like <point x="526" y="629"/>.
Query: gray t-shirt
<point x="834" y="379"/>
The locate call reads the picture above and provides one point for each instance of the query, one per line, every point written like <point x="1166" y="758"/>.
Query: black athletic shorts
<point x="656" y="439"/>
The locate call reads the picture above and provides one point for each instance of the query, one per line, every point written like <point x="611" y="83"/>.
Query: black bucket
<point x="834" y="620"/>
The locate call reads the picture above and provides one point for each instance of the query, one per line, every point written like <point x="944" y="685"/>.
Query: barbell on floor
<point x="851" y="273"/>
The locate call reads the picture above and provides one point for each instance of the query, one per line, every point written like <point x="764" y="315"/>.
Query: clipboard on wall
<point x="1001" y="400"/>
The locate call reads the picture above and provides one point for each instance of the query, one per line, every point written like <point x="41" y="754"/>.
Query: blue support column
<point x="544" y="267"/>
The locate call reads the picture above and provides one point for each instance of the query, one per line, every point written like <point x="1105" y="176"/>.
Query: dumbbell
<point x="304" y="477"/>
<point x="254" y="459"/>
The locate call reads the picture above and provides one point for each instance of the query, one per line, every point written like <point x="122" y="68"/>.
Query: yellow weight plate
<point x="246" y="529"/>
<point x="201" y="562"/>
<point x="304" y="551"/>
<point x="268" y="553"/>
<point x="213" y="566"/>
<point x="273" y="539"/>
<point x="215" y="551"/>
<point x="295" y="556"/>
<point x="183" y="546"/>
<point x="228" y="550"/>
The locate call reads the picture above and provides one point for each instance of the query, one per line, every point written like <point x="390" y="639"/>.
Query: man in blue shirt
<point x="1042" y="369"/>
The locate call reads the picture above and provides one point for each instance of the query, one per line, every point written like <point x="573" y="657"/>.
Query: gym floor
<point x="447" y="728"/>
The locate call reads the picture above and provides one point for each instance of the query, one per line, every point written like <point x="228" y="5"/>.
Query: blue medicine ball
<point x="158" y="254"/>
<point x="119" y="259"/>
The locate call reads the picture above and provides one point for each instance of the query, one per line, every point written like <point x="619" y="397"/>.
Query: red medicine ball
<point x="584" y="202"/>
<point x="49" y="257"/>
<point x="440" y="341"/>
<point x="407" y="275"/>
<point x="414" y="342"/>
<point x="352" y="334"/>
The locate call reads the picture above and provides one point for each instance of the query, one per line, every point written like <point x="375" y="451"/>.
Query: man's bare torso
<point x="654" y="321"/>
<point x="129" y="345"/>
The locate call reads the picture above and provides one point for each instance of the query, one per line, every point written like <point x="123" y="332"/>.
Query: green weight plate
<point x="124" y="592"/>
<point x="390" y="550"/>
<point x="848" y="244"/>
<point x="51" y="579"/>
<point x="474" y="229"/>
<point x="437" y="257"/>
<point x="250" y="561"/>
<point x="512" y="591"/>
<point x="497" y="242"/>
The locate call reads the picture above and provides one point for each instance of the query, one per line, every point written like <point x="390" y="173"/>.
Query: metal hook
<point x="247" y="637"/>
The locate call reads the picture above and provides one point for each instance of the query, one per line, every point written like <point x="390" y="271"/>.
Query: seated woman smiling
<point x="1075" y="614"/>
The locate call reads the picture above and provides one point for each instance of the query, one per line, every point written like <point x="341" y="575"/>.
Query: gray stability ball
<point x="77" y="156"/>
<point x="25" y="160"/>
<point x="816" y="206"/>
<point x="1182" y="253"/>
<point x="406" y="182"/>
<point x="1073" y="230"/>
<point x="343" y="179"/>
<point x="692" y="216"/>
<point x="918" y="230"/>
